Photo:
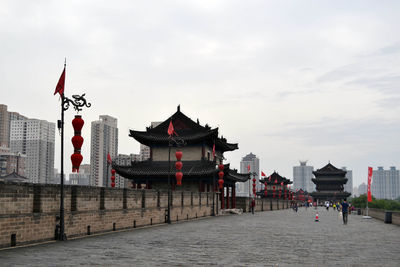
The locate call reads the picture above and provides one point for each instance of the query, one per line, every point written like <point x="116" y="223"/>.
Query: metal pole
<point x="213" y="190"/>
<point x="107" y="174"/>
<point x="62" y="236"/>
<point x="169" y="185"/>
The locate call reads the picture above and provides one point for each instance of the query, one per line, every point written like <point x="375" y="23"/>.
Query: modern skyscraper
<point x="5" y="124"/>
<point x="348" y="187"/>
<point x="11" y="162"/>
<point x="104" y="140"/>
<point x="145" y="150"/>
<point x="244" y="189"/>
<point x="302" y="176"/>
<point x="362" y="189"/>
<point x="34" y="138"/>
<point x="386" y="183"/>
<point x="81" y="178"/>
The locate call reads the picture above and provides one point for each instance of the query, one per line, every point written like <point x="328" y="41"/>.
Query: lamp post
<point x="78" y="102"/>
<point x="178" y="142"/>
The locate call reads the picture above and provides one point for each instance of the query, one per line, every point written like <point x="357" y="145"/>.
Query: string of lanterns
<point x="178" y="166"/>
<point x="77" y="141"/>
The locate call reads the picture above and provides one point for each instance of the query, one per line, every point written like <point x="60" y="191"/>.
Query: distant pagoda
<point x="329" y="182"/>
<point x="275" y="183"/>
<point x="200" y="172"/>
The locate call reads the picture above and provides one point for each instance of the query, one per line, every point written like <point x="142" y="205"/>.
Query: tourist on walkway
<point x="345" y="211"/>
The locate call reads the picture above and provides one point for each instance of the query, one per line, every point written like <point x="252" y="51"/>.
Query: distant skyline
<point x="287" y="80"/>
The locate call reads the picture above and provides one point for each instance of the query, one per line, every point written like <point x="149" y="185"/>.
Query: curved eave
<point x="224" y="146"/>
<point x="148" y="139"/>
<point x="330" y="180"/>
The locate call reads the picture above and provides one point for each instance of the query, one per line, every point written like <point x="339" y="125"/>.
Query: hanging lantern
<point x="178" y="155"/>
<point x="77" y="141"/>
<point x="112" y="184"/>
<point x="112" y="172"/>
<point x="265" y="189"/>
<point x="221" y="167"/>
<point x="178" y="165"/>
<point x="178" y="176"/>
<point x="76" y="160"/>
<point x="221" y="183"/>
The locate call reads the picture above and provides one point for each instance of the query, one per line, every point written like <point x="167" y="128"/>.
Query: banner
<point x="369" y="196"/>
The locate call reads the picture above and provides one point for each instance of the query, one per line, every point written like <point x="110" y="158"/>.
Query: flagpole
<point x="62" y="235"/>
<point x="78" y="102"/>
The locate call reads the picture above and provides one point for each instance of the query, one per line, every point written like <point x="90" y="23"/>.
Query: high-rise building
<point x="348" y="187"/>
<point x="5" y="124"/>
<point x="104" y="140"/>
<point x="362" y="189"/>
<point x="145" y="150"/>
<point x="244" y="189"/>
<point x="302" y="176"/>
<point x="34" y="138"/>
<point x="81" y="178"/>
<point x="386" y="183"/>
<point x="124" y="160"/>
<point x="355" y="191"/>
<point x="11" y="162"/>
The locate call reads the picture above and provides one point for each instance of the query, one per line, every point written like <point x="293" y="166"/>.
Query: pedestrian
<point x="345" y="211"/>
<point x="327" y="205"/>
<point x="253" y="204"/>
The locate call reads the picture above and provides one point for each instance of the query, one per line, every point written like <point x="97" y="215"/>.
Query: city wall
<point x="262" y="204"/>
<point x="28" y="212"/>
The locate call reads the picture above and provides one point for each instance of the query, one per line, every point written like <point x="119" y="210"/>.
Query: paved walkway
<point x="277" y="238"/>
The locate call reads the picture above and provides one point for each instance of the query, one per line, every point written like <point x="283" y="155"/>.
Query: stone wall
<point x="380" y="215"/>
<point x="262" y="204"/>
<point x="28" y="211"/>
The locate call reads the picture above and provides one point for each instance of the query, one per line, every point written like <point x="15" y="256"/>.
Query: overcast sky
<point x="287" y="80"/>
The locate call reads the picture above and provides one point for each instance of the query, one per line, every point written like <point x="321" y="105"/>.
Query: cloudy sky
<point x="287" y="80"/>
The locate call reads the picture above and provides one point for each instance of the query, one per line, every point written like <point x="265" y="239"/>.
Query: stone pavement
<point x="272" y="238"/>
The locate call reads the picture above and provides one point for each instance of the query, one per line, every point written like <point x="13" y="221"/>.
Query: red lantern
<point x="178" y="177"/>
<point x="254" y="180"/>
<point x="112" y="171"/>
<point x="112" y="184"/>
<point x="221" y="183"/>
<point x="178" y="165"/>
<point x="77" y="142"/>
<point x="221" y="167"/>
<point x="78" y="123"/>
<point x="76" y="161"/>
<point x="221" y="174"/>
<point x="178" y="155"/>
<point x="113" y="178"/>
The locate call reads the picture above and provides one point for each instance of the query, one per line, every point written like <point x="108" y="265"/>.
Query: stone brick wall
<point x="262" y="204"/>
<point x="28" y="211"/>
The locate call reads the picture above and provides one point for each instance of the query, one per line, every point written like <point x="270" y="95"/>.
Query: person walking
<point x="345" y="211"/>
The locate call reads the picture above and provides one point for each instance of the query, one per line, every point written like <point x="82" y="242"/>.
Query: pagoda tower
<point x="329" y="182"/>
<point x="202" y="151"/>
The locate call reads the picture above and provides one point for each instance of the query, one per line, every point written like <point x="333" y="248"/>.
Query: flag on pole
<point x="369" y="196"/>
<point x="269" y="179"/>
<point x="109" y="161"/>
<point x="248" y="167"/>
<point x="262" y="173"/>
<point x="214" y="151"/>
<point x="60" y="84"/>
<point x="171" y="130"/>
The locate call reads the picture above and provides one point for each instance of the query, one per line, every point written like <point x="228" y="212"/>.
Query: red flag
<point x="369" y="196"/>
<point x="170" y="128"/>
<point x="269" y="179"/>
<point x="109" y="161"/>
<point x="276" y="181"/>
<point x="262" y="173"/>
<point x="248" y="167"/>
<point x="214" y="151"/>
<point x="60" y="84"/>
<point x="282" y="184"/>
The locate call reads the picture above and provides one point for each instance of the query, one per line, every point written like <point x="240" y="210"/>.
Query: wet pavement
<point x="272" y="238"/>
